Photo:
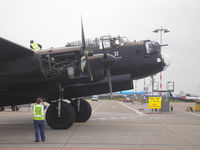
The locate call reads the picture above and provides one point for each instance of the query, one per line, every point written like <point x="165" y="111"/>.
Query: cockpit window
<point x="147" y="47"/>
<point x="152" y="47"/>
<point x="102" y="42"/>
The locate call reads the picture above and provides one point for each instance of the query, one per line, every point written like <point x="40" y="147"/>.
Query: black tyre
<point x="2" y="108"/>
<point x="85" y="110"/>
<point x="66" y="119"/>
<point x="14" y="108"/>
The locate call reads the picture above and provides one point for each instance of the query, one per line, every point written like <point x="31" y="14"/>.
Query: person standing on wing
<point x="35" y="46"/>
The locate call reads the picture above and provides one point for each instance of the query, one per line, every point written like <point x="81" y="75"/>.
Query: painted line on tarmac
<point x="57" y="148"/>
<point x="137" y="111"/>
<point x="137" y="125"/>
<point x="98" y="107"/>
<point x="193" y="113"/>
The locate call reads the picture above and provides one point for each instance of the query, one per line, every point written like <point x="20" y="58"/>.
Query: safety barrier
<point x="197" y="106"/>
<point x="190" y="109"/>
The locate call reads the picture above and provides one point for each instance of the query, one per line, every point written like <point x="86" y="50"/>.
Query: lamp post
<point x="161" y="30"/>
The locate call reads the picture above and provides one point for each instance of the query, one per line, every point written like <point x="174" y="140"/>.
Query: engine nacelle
<point x="119" y="83"/>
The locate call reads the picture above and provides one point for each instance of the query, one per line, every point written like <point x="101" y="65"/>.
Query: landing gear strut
<point x="60" y="114"/>
<point x="83" y="110"/>
<point x="60" y="100"/>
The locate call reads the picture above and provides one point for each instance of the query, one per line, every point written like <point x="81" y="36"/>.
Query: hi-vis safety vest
<point x="38" y="112"/>
<point x="35" y="46"/>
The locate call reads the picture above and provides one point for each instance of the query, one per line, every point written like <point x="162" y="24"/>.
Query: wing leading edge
<point x="11" y="51"/>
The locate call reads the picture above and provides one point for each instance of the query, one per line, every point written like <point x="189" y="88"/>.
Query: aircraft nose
<point x="166" y="61"/>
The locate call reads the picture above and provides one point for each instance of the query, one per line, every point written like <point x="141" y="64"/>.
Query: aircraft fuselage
<point x="39" y="75"/>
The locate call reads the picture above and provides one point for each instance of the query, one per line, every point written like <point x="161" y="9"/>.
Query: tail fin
<point x="171" y="95"/>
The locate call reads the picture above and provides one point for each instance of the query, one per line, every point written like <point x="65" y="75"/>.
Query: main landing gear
<point x="13" y="108"/>
<point x="66" y="119"/>
<point x="2" y="108"/>
<point x="83" y="110"/>
<point x="62" y="115"/>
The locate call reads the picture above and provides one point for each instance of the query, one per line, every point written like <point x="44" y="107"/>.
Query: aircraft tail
<point x="171" y="95"/>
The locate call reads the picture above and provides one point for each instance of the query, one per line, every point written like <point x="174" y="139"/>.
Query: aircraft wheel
<point x="2" y="108"/>
<point x="67" y="116"/>
<point x="85" y="110"/>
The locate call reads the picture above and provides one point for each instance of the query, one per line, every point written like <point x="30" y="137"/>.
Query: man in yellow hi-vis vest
<point x="35" y="46"/>
<point x="38" y="119"/>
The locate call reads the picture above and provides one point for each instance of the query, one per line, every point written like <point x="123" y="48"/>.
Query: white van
<point x="95" y="98"/>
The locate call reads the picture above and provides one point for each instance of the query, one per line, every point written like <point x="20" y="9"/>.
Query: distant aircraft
<point x="131" y="92"/>
<point x="84" y="68"/>
<point x="187" y="98"/>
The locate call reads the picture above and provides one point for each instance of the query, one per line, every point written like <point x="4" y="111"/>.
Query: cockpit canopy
<point x="102" y="42"/>
<point x="152" y="47"/>
<point x="108" y="41"/>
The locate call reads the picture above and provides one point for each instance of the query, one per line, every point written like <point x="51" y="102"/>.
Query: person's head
<point x="31" y="41"/>
<point x="38" y="100"/>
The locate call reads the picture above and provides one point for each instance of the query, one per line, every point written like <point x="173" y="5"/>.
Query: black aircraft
<point x="88" y="67"/>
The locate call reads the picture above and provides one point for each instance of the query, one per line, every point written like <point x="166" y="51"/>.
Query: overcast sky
<point x="55" y="22"/>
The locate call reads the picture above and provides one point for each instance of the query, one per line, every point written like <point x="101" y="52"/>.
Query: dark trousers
<point x="39" y="126"/>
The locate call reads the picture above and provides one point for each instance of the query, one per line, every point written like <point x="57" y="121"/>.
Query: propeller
<point x="85" y="52"/>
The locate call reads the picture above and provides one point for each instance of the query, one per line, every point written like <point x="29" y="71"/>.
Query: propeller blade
<point x="108" y="74"/>
<point x="109" y="80"/>
<point x="82" y="36"/>
<point x="89" y="71"/>
<point x="85" y="52"/>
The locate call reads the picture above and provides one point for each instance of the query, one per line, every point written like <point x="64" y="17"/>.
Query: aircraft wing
<point x="11" y="51"/>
